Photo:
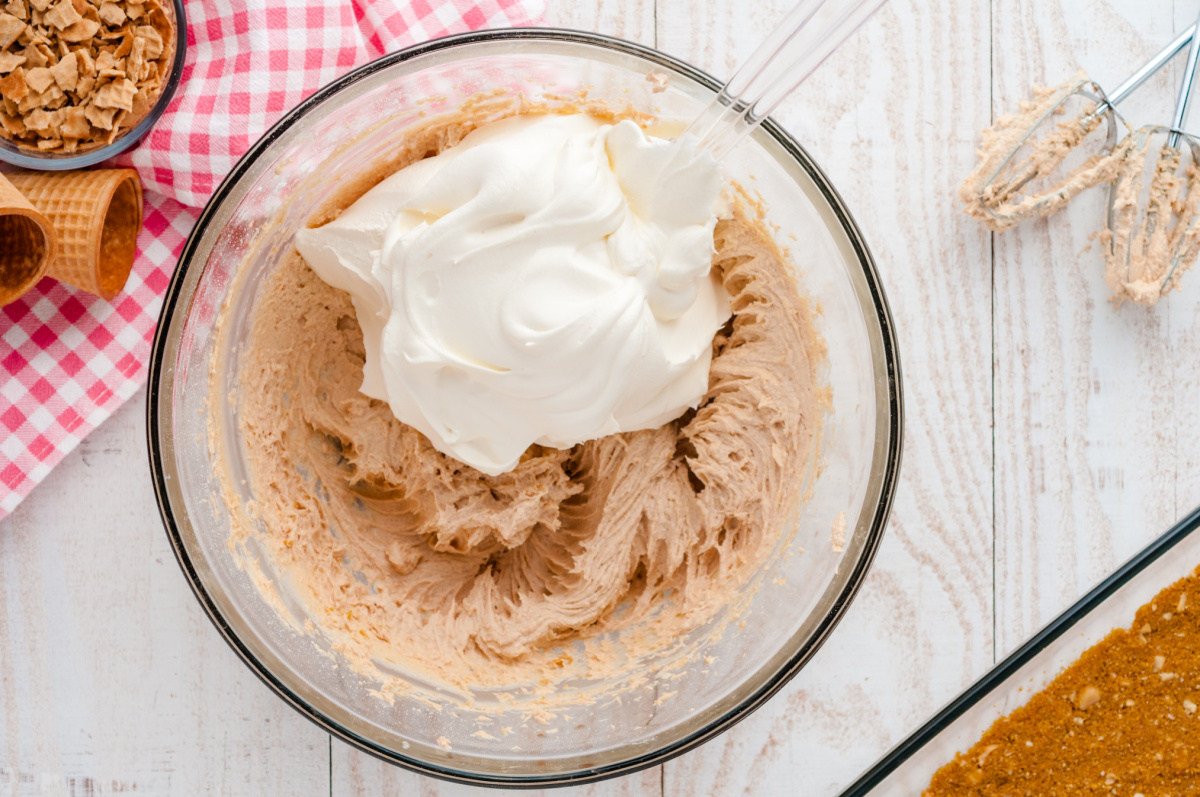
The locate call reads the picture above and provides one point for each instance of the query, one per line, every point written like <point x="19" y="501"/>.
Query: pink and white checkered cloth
<point x="68" y="360"/>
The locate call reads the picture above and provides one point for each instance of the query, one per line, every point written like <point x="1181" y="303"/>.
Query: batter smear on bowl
<point x="407" y="556"/>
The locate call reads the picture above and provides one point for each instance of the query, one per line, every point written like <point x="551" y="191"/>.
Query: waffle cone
<point x="28" y="243"/>
<point x="97" y="216"/>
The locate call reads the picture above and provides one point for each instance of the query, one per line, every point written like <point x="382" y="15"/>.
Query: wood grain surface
<point x="1048" y="438"/>
<point x="1088" y="425"/>
<point x="892" y="118"/>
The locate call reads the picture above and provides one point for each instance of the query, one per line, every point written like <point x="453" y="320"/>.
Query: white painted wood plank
<point x="1088" y="428"/>
<point x="1183" y="320"/>
<point x="1183" y="325"/>
<point x="625" y="19"/>
<point x="113" y="678"/>
<point x="1183" y="328"/>
<point x="891" y="118"/>
<point x="360" y="774"/>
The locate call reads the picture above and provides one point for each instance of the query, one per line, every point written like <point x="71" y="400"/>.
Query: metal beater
<point x="1152" y="227"/>
<point x="993" y="193"/>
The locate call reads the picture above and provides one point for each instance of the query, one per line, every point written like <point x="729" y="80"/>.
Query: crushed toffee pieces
<point x="76" y="74"/>
<point x="1122" y="720"/>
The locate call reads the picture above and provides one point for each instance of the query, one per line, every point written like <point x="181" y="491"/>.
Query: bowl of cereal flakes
<point x="82" y="80"/>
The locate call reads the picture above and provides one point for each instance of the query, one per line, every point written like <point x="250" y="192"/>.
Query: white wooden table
<point x="1048" y="439"/>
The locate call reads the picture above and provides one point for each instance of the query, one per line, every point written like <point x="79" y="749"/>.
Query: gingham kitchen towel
<point x="68" y="360"/>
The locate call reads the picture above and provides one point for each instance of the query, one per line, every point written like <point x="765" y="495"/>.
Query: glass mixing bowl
<point x="797" y="597"/>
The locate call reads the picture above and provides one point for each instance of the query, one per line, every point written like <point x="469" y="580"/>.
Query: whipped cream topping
<point x="546" y="280"/>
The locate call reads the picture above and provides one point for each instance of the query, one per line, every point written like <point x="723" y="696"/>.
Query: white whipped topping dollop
<point x="545" y="281"/>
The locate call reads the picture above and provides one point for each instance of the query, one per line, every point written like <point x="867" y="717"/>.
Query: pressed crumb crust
<point x="1122" y="720"/>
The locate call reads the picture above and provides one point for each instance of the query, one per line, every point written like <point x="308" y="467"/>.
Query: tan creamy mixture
<point x="408" y="557"/>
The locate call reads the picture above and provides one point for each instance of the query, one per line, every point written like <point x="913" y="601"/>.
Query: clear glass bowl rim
<point x="887" y="377"/>
<point x="53" y="162"/>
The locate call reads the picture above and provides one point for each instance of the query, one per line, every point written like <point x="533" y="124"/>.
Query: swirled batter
<point x="406" y="556"/>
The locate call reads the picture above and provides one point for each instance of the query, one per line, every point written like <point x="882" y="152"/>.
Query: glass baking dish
<point x="909" y="767"/>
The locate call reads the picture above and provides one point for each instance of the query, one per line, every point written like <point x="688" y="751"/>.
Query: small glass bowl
<point x="909" y="767"/>
<point x="794" y="601"/>
<point x="27" y="158"/>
